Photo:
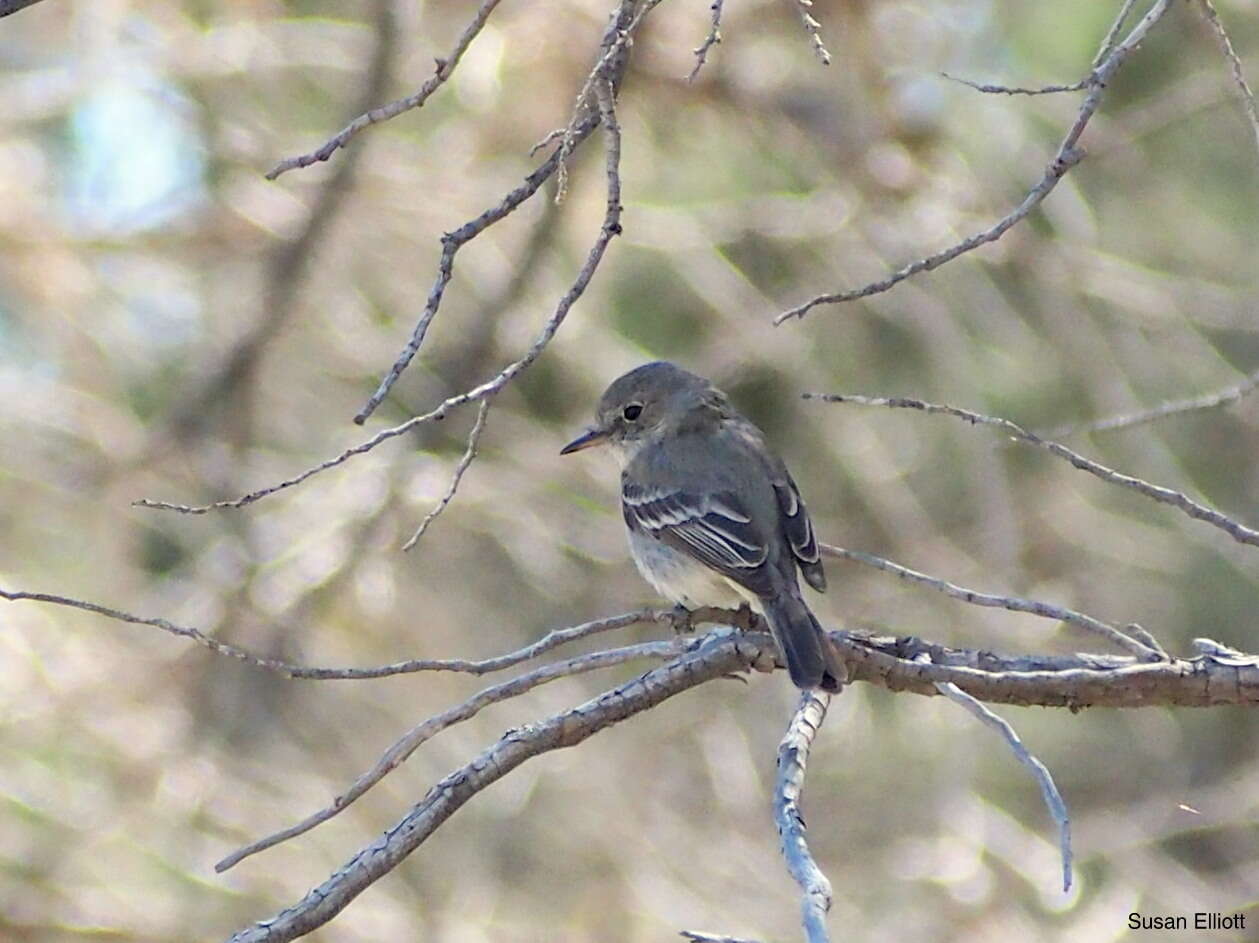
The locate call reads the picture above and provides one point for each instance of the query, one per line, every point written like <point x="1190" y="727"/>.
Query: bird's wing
<point x="798" y="529"/>
<point x="714" y="528"/>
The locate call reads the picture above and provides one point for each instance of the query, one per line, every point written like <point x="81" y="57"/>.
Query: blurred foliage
<point x="139" y="247"/>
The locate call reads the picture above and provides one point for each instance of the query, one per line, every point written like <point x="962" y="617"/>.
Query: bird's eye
<point x="632" y="411"/>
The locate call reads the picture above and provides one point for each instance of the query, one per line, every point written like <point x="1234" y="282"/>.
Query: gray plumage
<point x="714" y="516"/>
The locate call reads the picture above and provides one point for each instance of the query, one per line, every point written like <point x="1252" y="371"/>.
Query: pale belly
<point x="682" y="579"/>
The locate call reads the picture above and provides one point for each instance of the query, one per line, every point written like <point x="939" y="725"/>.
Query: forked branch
<point x="1068" y="155"/>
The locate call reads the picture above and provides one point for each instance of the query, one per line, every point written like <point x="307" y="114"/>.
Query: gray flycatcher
<point x="714" y="517"/>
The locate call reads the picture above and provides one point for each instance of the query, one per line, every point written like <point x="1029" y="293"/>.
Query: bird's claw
<point x="682" y="620"/>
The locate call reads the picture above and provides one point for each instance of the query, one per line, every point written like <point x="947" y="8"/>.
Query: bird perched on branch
<point x="714" y="516"/>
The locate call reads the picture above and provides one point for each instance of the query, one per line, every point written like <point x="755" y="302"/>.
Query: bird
<point x="713" y="515"/>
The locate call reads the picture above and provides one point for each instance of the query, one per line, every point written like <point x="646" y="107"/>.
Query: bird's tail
<point x="812" y="660"/>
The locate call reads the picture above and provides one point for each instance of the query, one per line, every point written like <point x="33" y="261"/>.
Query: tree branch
<point x="1140" y="649"/>
<point x="609" y="69"/>
<point x="1238" y="531"/>
<point x="1177" y="407"/>
<point x="1009" y="90"/>
<point x="1234" y="65"/>
<point x="1068" y="155"/>
<point x="474" y="437"/>
<point x="712" y="39"/>
<point x="1072" y="681"/>
<point x="452" y="242"/>
<point x="1048" y="790"/>
<point x="899" y="664"/>
<point x="610" y="228"/>
<point x="402" y="749"/>
<point x="793" y="758"/>
<point x="445" y="68"/>
<point x="553" y="639"/>
<point x="291" y="259"/>
<point x="713" y="657"/>
<point x="814" y="30"/>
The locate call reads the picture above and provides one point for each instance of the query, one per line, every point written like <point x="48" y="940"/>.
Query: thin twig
<point x="1224" y="654"/>
<point x="814" y="29"/>
<point x="1234" y="65"/>
<point x="1014" y="90"/>
<point x="1238" y="531"/>
<point x="610" y="228"/>
<point x="288" y="265"/>
<point x="608" y="68"/>
<point x="457" y="476"/>
<point x="213" y="644"/>
<point x="1049" y="791"/>
<point x="443" y="71"/>
<point x="402" y="749"/>
<point x="701" y="51"/>
<point x="1224" y="397"/>
<point x="452" y="242"/>
<point x="553" y="639"/>
<point x="714" y="658"/>
<point x="1071" y="681"/>
<point x="793" y="758"/>
<point x="1111" y="633"/>
<point x="550" y="137"/>
<point x="1068" y="155"/>
<point x="434" y="415"/>
<point x="699" y="936"/>
<point x="1112" y="34"/>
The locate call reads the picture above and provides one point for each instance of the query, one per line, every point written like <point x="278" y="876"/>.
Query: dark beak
<point x="587" y="439"/>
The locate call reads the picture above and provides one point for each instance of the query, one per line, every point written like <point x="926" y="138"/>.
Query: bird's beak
<point x="589" y="438"/>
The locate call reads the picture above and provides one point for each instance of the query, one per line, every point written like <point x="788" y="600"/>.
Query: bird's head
<point x="641" y="403"/>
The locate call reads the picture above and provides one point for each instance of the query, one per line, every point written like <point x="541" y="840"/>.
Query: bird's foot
<point x="682" y="619"/>
<point x="745" y="618"/>
<point x="749" y="620"/>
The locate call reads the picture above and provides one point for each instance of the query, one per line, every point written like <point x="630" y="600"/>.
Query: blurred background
<point x="174" y="326"/>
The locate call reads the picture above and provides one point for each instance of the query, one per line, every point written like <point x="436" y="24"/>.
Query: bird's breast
<point x="683" y="579"/>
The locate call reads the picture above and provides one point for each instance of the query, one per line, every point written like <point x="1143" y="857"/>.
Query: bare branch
<point x="607" y="71"/>
<point x="1238" y="531"/>
<point x="793" y="758"/>
<point x="1112" y="34"/>
<point x="290" y="260"/>
<point x="701" y="54"/>
<point x="611" y="227"/>
<point x="895" y="663"/>
<point x="553" y="639"/>
<point x="452" y="242"/>
<point x="457" y="476"/>
<point x="444" y="69"/>
<point x="1224" y="397"/>
<point x="1068" y="155"/>
<point x="1223" y="653"/>
<point x="715" y="657"/>
<point x="213" y="644"/>
<point x="699" y="936"/>
<point x="1008" y="90"/>
<point x="1234" y="65"/>
<point x="814" y="29"/>
<point x="1111" y="633"/>
<point x="1080" y="680"/>
<point x="1072" y="681"/>
<point x="435" y="415"/>
<point x="402" y="749"/>
<point x="609" y="67"/>
<point x="1048" y="790"/>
